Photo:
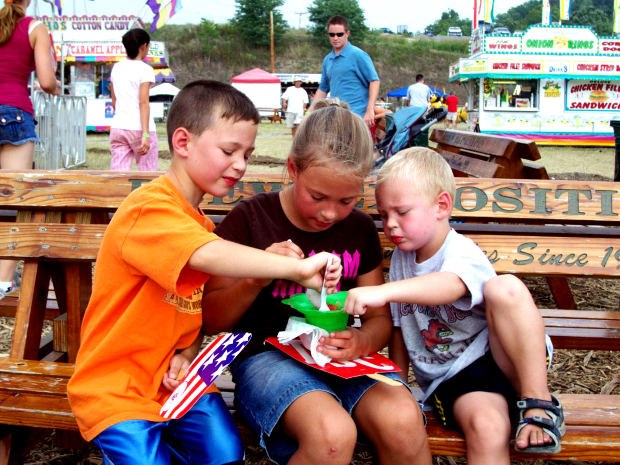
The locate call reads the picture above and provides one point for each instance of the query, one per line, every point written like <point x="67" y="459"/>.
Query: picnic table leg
<point x="562" y="293"/>
<point x="78" y="287"/>
<point x="30" y="312"/>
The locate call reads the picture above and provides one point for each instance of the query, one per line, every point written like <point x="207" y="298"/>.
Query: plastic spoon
<point x="319" y="299"/>
<point x="323" y="307"/>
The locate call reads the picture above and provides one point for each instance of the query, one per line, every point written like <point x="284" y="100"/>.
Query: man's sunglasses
<point x="335" y="34"/>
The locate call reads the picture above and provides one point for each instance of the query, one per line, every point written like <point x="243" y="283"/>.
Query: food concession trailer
<point x="87" y="47"/>
<point x="556" y="85"/>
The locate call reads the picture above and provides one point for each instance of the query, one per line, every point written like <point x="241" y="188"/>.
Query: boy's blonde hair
<point x="333" y="134"/>
<point x="424" y="168"/>
<point x="200" y="104"/>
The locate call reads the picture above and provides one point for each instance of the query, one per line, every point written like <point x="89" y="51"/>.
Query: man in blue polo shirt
<point x="348" y="73"/>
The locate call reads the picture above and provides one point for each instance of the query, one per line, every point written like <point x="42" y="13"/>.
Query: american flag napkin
<point x="203" y="371"/>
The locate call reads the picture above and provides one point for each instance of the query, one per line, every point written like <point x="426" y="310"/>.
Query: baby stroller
<point x="405" y="128"/>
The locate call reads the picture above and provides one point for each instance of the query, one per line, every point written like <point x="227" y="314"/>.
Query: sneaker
<point x="7" y="290"/>
<point x="549" y="346"/>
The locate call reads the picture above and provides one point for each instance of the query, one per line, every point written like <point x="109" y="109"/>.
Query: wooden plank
<point x="8" y="306"/>
<point x="548" y="201"/>
<point x="548" y="256"/>
<point x="489" y="145"/>
<point x="584" y="338"/>
<point x="36" y="411"/>
<point x="50" y="240"/>
<point x="469" y="166"/>
<point x="583" y="322"/>
<point x="592" y="315"/>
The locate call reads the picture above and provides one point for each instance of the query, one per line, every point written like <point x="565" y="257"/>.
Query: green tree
<point x="252" y="20"/>
<point x="207" y="33"/>
<point x="595" y="13"/>
<point x="521" y="16"/>
<point x="448" y="19"/>
<point x="321" y="10"/>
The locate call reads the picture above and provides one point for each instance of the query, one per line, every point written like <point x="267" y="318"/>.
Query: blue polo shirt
<point x="348" y="75"/>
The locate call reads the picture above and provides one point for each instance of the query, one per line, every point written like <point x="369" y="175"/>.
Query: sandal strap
<point x="552" y="406"/>
<point x="541" y="422"/>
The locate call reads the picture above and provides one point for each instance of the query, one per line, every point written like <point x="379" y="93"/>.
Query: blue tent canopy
<point x="402" y="92"/>
<point x="397" y="93"/>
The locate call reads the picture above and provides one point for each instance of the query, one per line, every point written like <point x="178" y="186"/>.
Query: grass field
<point x="274" y="141"/>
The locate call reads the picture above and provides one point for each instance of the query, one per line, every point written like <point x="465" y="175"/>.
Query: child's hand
<point x="342" y="345"/>
<point x="360" y="298"/>
<point x="312" y="271"/>
<point x="178" y="368"/>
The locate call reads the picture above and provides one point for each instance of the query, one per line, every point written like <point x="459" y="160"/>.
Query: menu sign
<point x="560" y="40"/>
<point x="593" y="95"/>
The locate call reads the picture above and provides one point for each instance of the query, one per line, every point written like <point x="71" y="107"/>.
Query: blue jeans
<point x="266" y="384"/>
<point x="205" y="435"/>
<point x="16" y="126"/>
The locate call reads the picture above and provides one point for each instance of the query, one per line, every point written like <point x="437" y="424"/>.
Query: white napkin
<point x="309" y="335"/>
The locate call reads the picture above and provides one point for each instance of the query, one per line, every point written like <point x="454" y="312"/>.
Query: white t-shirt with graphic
<point x="442" y="340"/>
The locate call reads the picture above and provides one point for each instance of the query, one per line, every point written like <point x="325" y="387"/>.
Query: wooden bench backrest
<point x="477" y="200"/>
<point x="471" y="154"/>
<point x="534" y="247"/>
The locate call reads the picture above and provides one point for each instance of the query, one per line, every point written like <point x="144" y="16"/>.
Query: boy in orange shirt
<point x="157" y="253"/>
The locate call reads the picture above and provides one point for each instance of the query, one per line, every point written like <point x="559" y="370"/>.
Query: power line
<point x="300" y="14"/>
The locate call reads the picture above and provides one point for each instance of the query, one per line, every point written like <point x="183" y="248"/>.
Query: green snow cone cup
<point x="334" y="320"/>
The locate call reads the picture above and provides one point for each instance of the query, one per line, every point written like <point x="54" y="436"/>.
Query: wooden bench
<point x="472" y="154"/>
<point x="527" y="227"/>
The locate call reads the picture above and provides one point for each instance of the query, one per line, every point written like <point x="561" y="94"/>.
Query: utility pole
<point x="300" y="14"/>
<point x="273" y="62"/>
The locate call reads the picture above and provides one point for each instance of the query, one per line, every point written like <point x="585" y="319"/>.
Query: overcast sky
<point x="415" y="14"/>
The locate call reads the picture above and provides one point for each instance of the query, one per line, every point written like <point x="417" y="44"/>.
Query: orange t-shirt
<point x="145" y="305"/>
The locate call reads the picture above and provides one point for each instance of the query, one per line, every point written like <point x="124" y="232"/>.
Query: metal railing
<point x="62" y="130"/>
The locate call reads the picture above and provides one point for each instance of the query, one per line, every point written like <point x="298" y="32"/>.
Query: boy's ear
<point x="444" y="205"/>
<point x="180" y="141"/>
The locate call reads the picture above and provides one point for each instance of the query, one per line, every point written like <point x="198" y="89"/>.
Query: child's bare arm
<point x="226" y="299"/>
<point x="374" y="334"/>
<point x="431" y="289"/>
<point x="225" y="258"/>
<point x="398" y="352"/>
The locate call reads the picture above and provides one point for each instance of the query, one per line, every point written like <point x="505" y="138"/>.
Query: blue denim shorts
<point x="205" y="435"/>
<point x="266" y="384"/>
<point x="16" y="126"/>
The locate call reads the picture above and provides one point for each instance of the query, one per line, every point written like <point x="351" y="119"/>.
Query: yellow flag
<point x="564" y="10"/>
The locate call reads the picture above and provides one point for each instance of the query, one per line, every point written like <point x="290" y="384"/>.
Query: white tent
<point x="161" y="96"/>
<point x="164" y="89"/>
<point x="261" y="87"/>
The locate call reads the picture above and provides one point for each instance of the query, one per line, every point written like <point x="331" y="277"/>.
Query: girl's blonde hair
<point x="333" y="134"/>
<point x="424" y="168"/>
<point x="10" y="13"/>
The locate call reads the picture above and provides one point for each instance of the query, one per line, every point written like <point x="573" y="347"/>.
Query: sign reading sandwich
<point x="593" y="95"/>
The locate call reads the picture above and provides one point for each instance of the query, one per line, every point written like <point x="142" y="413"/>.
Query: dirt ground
<point x="572" y="372"/>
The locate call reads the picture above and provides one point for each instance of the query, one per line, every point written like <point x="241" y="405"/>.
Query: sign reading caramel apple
<point x="593" y="95"/>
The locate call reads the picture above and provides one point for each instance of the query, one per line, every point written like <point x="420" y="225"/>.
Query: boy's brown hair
<point x="201" y="103"/>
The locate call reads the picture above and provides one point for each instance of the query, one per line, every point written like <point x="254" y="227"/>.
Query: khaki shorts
<point x="293" y="119"/>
